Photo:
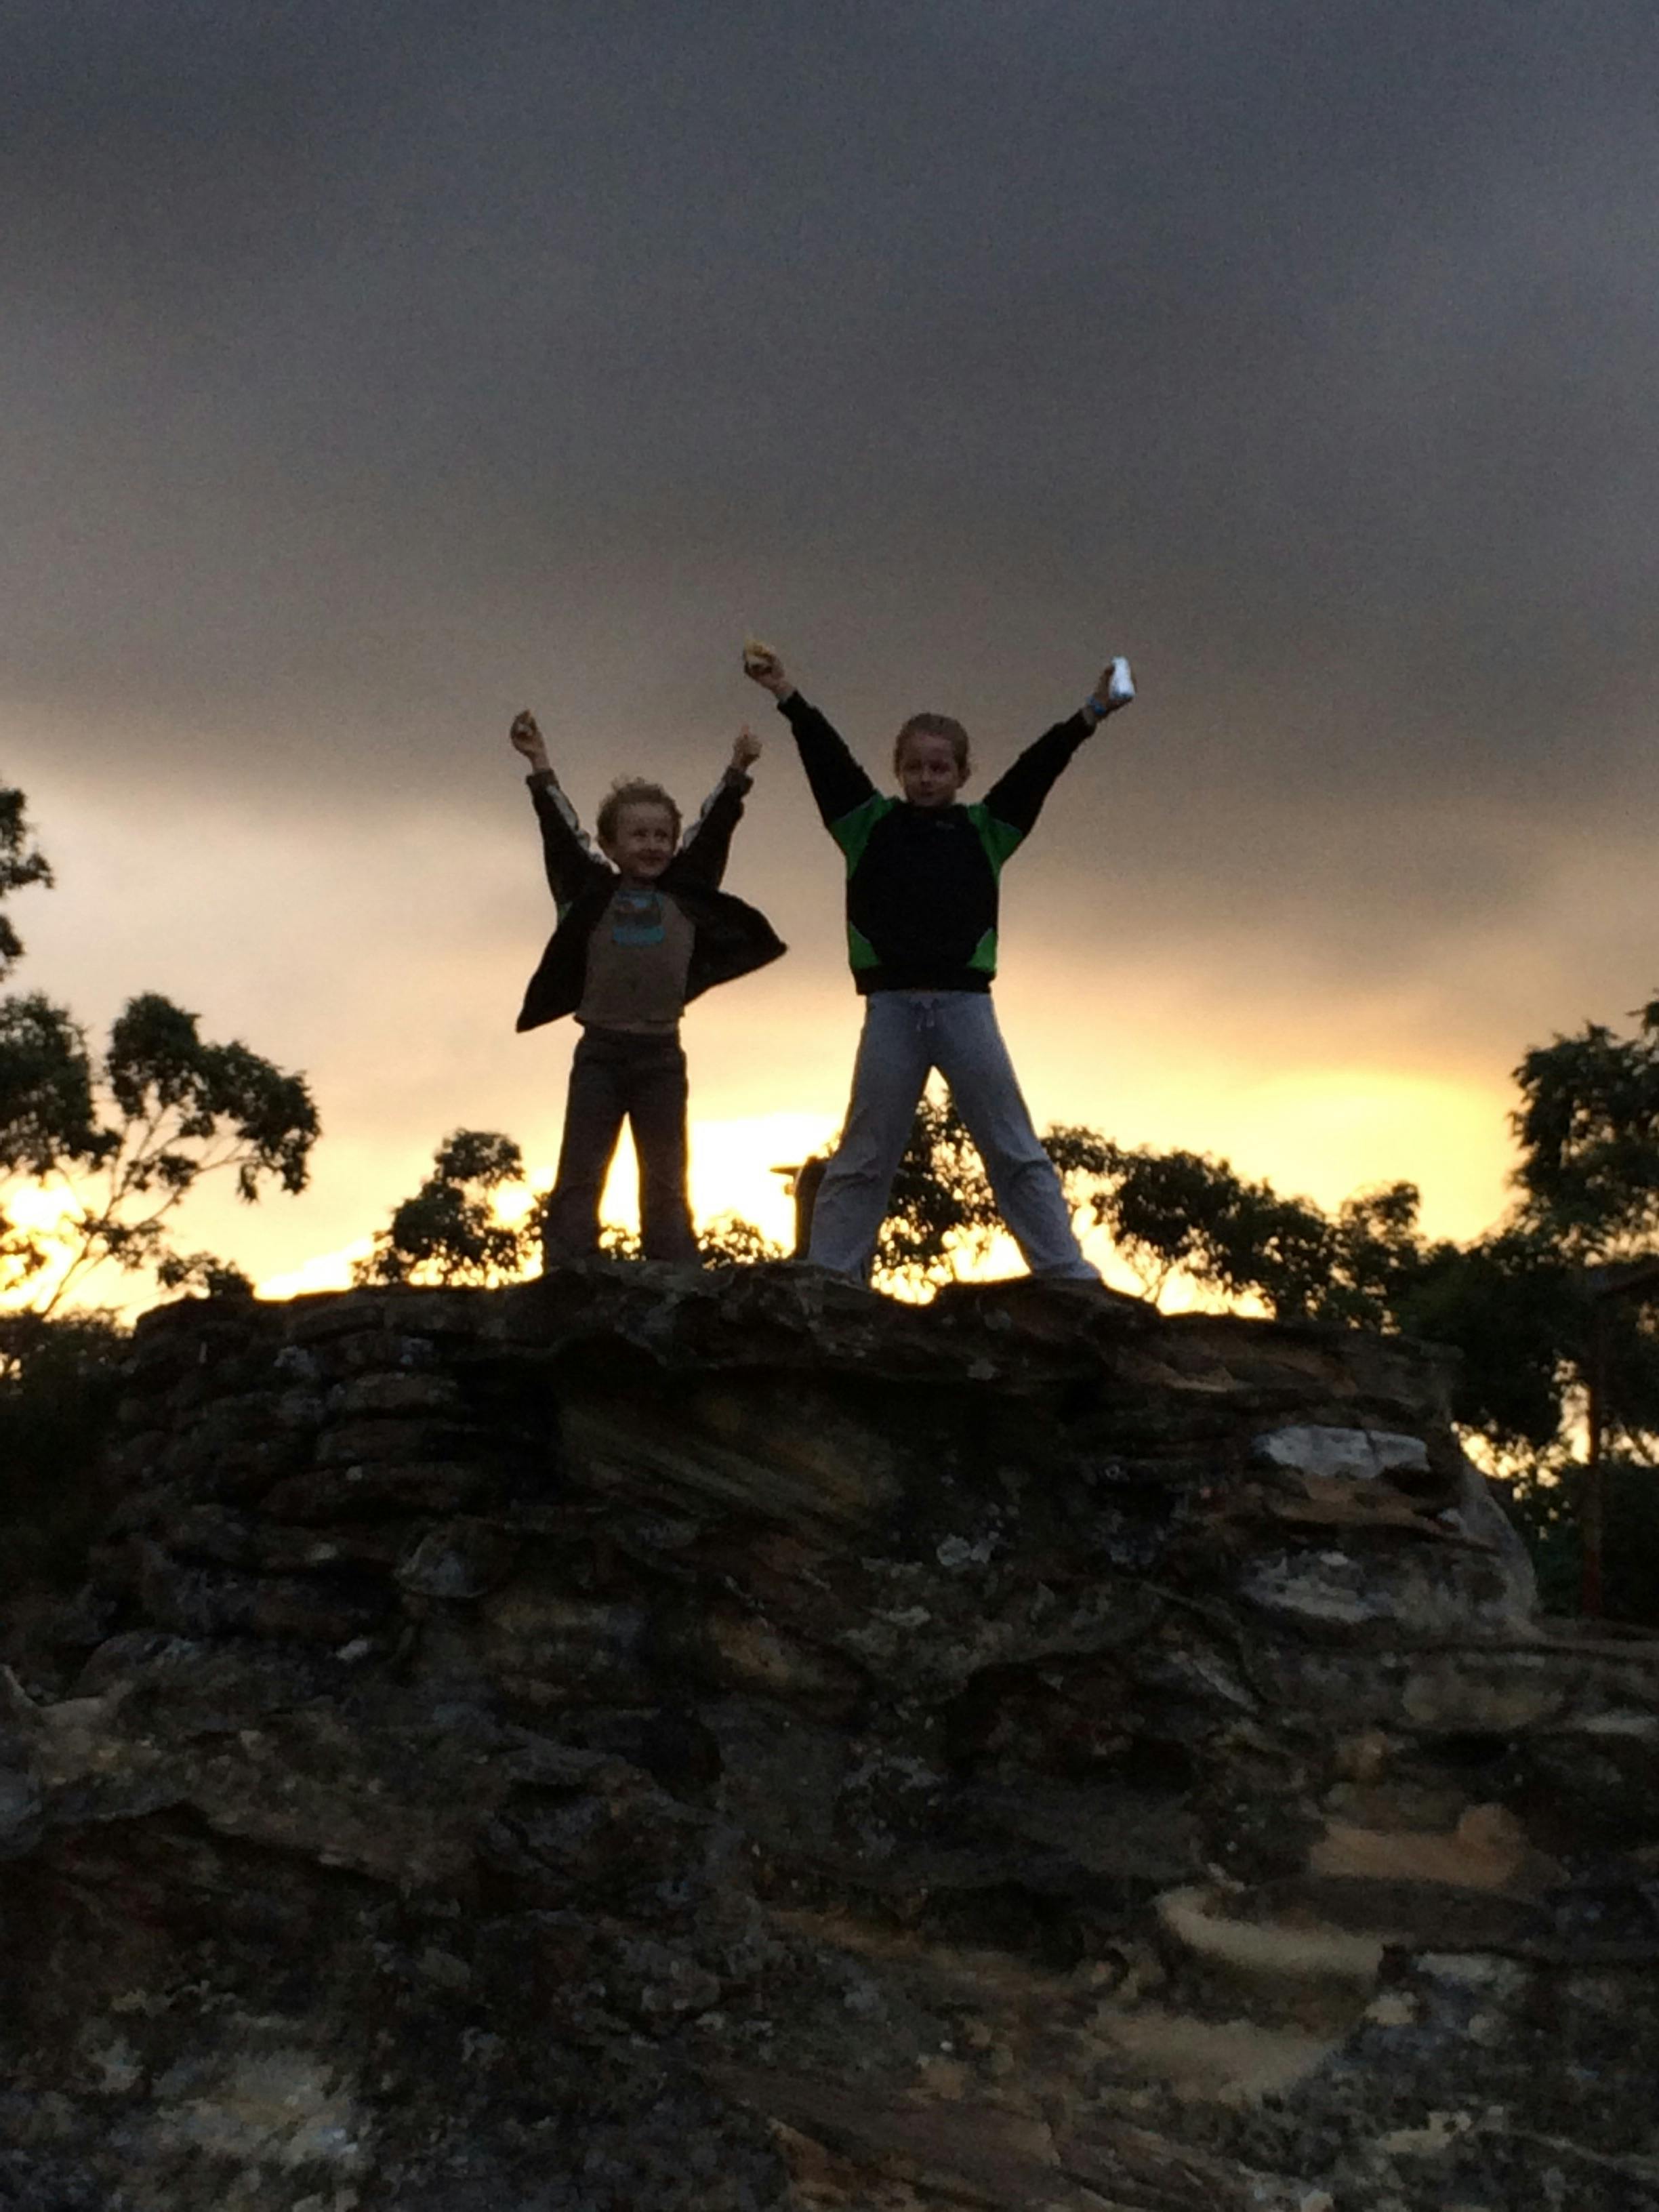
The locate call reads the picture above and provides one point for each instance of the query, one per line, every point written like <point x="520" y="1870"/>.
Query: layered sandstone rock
<point x="652" y="1741"/>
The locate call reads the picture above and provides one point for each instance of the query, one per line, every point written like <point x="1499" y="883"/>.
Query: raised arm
<point x="703" y="850"/>
<point x="1015" y="800"/>
<point x="838" y="784"/>
<point x="570" y="860"/>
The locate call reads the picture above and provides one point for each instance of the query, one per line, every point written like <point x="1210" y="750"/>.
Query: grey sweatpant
<point x="908" y="1034"/>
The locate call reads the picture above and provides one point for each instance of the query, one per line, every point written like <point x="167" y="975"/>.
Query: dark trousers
<point x="616" y="1076"/>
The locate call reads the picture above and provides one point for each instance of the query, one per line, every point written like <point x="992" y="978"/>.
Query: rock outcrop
<point x="658" y="1741"/>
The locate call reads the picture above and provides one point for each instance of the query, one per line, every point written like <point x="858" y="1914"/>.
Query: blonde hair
<point x="632" y="790"/>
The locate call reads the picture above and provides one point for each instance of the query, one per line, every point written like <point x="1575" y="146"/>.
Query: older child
<point x="922" y="875"/>
<point x="640" y="931"/>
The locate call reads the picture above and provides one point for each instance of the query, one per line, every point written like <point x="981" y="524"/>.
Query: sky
<point x="369" y="373"/>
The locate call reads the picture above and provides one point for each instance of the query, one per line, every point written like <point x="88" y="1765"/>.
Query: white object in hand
<point x="1121" y="689"/>
<point x="757" y="652"/>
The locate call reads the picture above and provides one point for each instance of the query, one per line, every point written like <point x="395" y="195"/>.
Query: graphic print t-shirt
<point x="637" y="959"/>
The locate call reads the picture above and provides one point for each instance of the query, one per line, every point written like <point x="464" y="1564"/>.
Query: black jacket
<point x="922" y="881"/>
<point x="729" y="938"/>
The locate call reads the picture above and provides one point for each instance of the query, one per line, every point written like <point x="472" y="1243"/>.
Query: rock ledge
<point x="660" y="1740"/>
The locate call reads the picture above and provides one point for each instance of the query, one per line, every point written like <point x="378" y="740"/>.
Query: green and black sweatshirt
<point x="921" y="881"/>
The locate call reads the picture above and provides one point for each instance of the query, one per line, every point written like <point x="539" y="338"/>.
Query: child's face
<point x="927" y="771"/>
<point x="643" y="844"/>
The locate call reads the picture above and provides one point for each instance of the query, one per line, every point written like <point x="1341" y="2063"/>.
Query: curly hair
<point x="633" y="791"/>
<point x="935" y="726"/>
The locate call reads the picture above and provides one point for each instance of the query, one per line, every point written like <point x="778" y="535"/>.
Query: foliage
<point x="1514" y="1304"/>
<point x="1546" y="1506"/>
<point x="47" y="1109"/>
<point x="21" y="863"/>
<point x="1521" y="1304"/>
<point x="449" y="1231"/>
<point x="122" y="1137"/>
<point x="1513" y="1310"/>
<point x="46" y="1113"/>
<point x="1588" y="1126"/>
<point x="1163" y="1210"/>
<point x="729" y="1241"/>
<point x="1186" y="1213"/>
<point x="59" y="1379"/>
<point x="1629" y="1361"/>
<point x="941" y="1216"/>
<point x="125" y="1137"/>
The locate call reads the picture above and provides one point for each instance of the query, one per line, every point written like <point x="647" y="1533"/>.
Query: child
<point x="640" y="933"/>
<point x="921" y="926"/>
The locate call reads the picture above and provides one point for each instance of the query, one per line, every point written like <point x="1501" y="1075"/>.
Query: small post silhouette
<point x="802" y="1184"/>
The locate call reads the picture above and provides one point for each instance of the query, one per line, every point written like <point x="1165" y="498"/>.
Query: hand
<point x="1115" y="672"/>
<point x="763" y="666"/>
<point x="746" y="751"/>
<point x="526" y="737"/>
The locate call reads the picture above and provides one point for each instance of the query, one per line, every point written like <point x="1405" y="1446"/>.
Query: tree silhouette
<point x="1588" y="1127"/>
<point x="449" y="1231"/>
<point x="120" y="1138"/>
<point x="21" y="863"/>
<point x="941" y="1216"/>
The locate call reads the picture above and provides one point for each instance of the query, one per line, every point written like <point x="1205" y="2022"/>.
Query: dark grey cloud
<point x="366" y="369"/>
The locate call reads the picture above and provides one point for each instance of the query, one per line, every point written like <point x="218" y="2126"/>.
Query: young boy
<point x="640" y="933"/>
<point x="921" y="926"/>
